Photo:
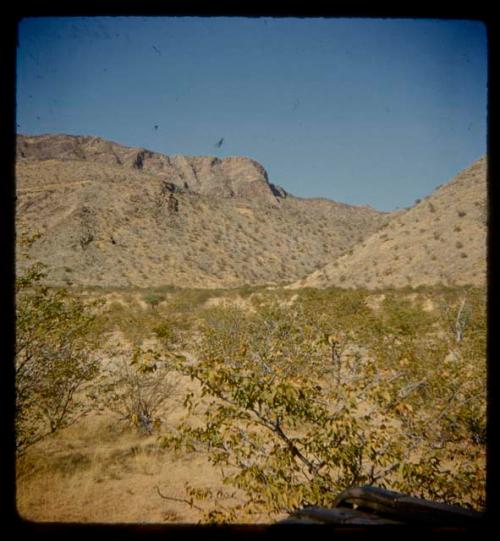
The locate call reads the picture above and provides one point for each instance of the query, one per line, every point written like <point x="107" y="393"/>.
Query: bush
<point x="54" y="356"/>
<point x="138" y="390"/>
<point x="165" y="333"/>
<point x="305" y="402"/>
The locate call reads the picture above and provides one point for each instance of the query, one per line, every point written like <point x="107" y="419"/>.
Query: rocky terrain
<point x="116" y="216"/>
<point x="110" y="215"/>
<point x="441" y="239"/>
<point x="204" y="175"/>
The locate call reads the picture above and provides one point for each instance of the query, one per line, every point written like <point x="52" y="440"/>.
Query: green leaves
<point x="153" y="299"/>
<point x="309" y="400"/>
<point x="55" y="342"/>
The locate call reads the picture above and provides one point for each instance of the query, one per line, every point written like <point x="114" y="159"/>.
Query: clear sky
<point x="363" y="111"/>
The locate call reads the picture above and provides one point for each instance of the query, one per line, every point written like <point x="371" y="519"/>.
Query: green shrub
<point x="153" y="299"/>
<point x="55" y="341"/>
<point x="306" y="401"/>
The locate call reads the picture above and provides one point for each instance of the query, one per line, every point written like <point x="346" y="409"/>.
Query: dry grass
<point x="98" y="472"/>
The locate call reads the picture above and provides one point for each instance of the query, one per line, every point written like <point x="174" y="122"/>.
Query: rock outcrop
<point x="207" y="175"/>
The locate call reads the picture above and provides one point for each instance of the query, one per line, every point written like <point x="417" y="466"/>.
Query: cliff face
<point x="207" y="175"/>
<point x="116" y="216"/>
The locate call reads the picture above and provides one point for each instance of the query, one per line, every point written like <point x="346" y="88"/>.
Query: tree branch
<point x="313" y="468"/>
<point x="182" y="500"/>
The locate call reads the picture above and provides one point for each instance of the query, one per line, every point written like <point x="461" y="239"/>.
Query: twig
<point x="313" y="468"/>
<point x="182" y="500"/>
<point x="412" y="387"/>
<point x="460" y="323"/>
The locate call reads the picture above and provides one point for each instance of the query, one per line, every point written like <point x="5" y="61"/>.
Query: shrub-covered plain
<point x="295" y="395"/>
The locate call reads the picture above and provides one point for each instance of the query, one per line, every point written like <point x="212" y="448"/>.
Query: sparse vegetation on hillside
<point x="457" y="207"/>
<point x="207" y="239"/>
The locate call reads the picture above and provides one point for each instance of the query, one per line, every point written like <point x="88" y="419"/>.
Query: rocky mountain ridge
<point x="234" y="176"/>
<point x="110" y="215"/>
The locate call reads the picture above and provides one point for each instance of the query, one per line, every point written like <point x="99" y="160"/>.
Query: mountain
<point x="111" y="215"/>
<point x="206" y="175"/>
<point x="441" y="239"/>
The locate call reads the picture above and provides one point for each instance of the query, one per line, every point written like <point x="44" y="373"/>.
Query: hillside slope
<point x="442" y="239"/>
<point x="116" y="216"/>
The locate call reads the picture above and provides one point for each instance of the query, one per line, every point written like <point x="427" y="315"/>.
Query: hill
<point x="441" y="239"/>
<point x="111" y="215"/>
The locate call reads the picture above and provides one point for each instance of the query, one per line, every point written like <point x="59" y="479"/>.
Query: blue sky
<point x="363" y="111"/>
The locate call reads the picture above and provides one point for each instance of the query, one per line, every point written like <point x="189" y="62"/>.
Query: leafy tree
<point x="437" y="390"/>
<point x="299" y="404"/>
<point x="54" y="362"/>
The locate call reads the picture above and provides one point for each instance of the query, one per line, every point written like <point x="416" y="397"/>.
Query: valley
<point x="197" y="345"/>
